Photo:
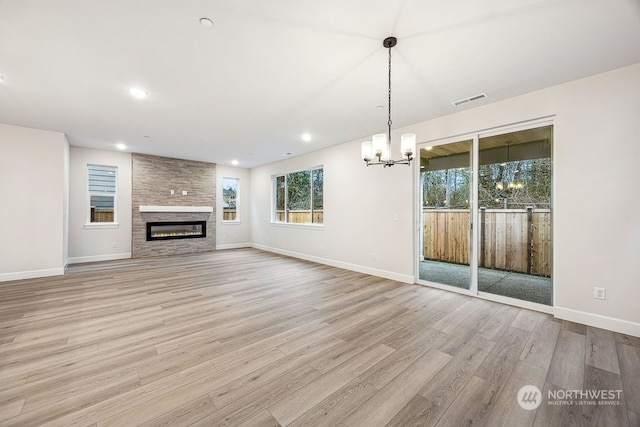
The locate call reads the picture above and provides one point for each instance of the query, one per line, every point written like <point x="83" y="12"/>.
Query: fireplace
<point x="176" y="230"/>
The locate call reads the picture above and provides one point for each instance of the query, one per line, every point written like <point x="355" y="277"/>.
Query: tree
<point x="446" y="188"/>
<point x="318" y="189"/>
<point x="229" y="195"/>
<point x="299" y="190"/>
<point x="514" y="184"/>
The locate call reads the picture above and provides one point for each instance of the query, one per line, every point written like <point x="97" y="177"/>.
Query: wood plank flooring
<point x="245" y="337"/>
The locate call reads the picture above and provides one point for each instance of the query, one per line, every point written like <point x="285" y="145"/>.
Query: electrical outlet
<point x="373" y="256"/>
<point x="599" y="293"/>
<point x="114" y="244"/>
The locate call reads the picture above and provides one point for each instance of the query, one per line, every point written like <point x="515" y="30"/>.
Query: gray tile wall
<point x="153" y="179"/>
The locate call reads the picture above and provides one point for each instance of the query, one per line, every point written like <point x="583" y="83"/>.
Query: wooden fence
<point x="301" y="216"/>
<point x="101" y="215"/>
<point x="229" y="214"/>
<point x="510" y="239"/>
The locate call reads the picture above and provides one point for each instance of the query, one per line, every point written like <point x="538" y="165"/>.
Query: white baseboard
<point x="597" y="320"/>
<point x="96" y="258"/>
<point x="405" y="278"/>
<point x="33" y="274"/>
<point x="234" y="246"/>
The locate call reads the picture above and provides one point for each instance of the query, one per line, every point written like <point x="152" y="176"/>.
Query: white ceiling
<point x="269" y="71"/>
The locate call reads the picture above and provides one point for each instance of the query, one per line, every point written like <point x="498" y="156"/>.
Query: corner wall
<point x="32" y="218"/>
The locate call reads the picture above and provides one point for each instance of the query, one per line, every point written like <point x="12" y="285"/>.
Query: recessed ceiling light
<point x="136" y="92"/>
<point x="146" y="136"/>
<point x="287" y="154"/>
<point x="306" y="137"/>
<point x="234" y="162"/>
<point x="206" y="22"/>
<point x="121" y="146"/>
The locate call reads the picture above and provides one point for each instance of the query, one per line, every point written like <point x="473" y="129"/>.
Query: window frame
<point x="95" y="224"/>
<point x="274" y="199"/>
<point x="237" y="218"/>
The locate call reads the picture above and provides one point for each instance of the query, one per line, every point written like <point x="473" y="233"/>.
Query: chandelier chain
<point x="380" y="147"/>
<point x="389" y="101"/>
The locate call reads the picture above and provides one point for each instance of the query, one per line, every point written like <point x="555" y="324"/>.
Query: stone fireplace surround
<point x="154" y="178"/>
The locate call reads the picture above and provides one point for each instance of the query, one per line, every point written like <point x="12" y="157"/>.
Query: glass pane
<point x="318" y="191"/>
<point x="102" y="189"/>
<point x="229" y="199"/>
<point x="514" y="200"/>
<point x="102" y="208"/>
<point x="445" y="174"/>
<point x="280" y="197"/>
<point x="299" y="197"/>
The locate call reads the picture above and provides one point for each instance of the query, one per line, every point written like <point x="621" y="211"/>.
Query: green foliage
<point x="299" y="190"/>
<point x="515" y="184"/>
<point x="501" y="185"/>
<point x="318" y="188"/>
<point x="280" y="192"/>
<point x="448" y="188"/>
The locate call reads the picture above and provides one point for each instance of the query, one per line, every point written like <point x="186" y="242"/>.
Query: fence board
<point x="541" y="243"/>
<point x="301" y="216"/>
<point x="505" y="245"/>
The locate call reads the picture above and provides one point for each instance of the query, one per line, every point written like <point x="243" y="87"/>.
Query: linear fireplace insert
<point x="176" y="230"/>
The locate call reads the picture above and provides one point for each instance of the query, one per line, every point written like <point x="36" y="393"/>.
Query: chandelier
<point x="380" y="145"/>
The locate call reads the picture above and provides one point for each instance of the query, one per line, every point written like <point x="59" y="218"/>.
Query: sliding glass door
<point x="514" y="214"/>
<point x="445" y="180"/>
<point x="485" y="213"/>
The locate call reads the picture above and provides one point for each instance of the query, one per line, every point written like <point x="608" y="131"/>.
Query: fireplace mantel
<point x="147" y="208"/>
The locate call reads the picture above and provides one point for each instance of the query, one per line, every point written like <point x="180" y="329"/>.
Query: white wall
<point x="88" y="244"/>
<point x="32" y="222"/>
<point x="234" y="234"/>
<point x="359" y="208"/>
<point x="596" y="239"/>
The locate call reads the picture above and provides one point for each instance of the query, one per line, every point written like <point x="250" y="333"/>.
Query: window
<point x="230" y="199"/>
<point x="299" y="197"/>
<point x="102" y="193"/>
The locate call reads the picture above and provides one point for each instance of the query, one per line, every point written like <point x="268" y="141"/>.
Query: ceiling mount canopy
<point x="380" y="145"/>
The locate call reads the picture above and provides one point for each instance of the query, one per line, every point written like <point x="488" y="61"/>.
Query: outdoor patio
<point x="506" y="283"/>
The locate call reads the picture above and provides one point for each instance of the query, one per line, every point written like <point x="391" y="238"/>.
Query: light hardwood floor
<point x="244" y="337"/>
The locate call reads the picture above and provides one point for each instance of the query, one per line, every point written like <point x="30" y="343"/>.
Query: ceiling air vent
<point x="471" y="98"/>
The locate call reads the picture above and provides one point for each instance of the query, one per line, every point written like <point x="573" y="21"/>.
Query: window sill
<point x="295" y="225"/>
<point x="100" y="225"/>
<point x="238" y="222"/>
